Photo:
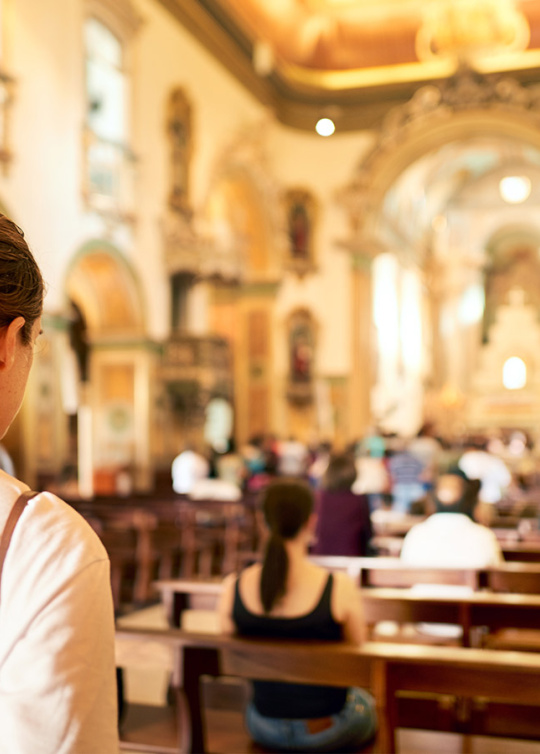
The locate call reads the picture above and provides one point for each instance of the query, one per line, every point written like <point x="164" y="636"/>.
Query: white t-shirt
<point x="293" y="457"/>
<point x="57" y="666"/>
<point x="492" y="471"/>
<point x="188" y="468"/>
<point x="453" y="540"/>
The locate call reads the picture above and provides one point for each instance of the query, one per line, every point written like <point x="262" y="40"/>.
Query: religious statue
<point x="301" y="335"/>
<point x="180" y="133"/>
<point x="300" y="221"/>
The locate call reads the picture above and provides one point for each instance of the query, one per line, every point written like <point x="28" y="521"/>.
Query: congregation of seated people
<point x="434" y="502"/>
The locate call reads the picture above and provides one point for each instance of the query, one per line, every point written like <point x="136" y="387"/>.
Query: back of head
<point x="341" y="472"/>
<point x="21" y="283"/>
<point x="287" y="505"/>
<point x="455" y="492"/>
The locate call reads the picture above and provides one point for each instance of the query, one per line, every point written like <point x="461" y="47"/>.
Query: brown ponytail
<point x="287" y="505"/>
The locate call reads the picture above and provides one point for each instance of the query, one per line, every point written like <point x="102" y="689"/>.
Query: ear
<point x="8" y="342"/>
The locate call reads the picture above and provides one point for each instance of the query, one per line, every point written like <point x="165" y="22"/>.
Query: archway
<point x="238" y="213"/>
<point x="107" y="372"/>
<point x="437" y="162"/>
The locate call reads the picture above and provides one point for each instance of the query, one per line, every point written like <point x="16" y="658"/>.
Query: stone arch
<point x="105" y="288"/>
<point x="466" y="106"/>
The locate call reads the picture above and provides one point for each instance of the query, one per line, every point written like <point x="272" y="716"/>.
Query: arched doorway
<point x="107" y="391"/>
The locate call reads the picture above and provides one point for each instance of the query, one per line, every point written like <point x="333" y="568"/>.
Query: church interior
<point x="308" y="220"/>
<point x="201" y="242"/>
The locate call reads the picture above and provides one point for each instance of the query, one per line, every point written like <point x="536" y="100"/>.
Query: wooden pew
<point x="478" y="610"/>
<point x="391" y="671"/>
<point x="522" y="578"/>
<point x="521" y="552"/>
<point x="513" y="578"/>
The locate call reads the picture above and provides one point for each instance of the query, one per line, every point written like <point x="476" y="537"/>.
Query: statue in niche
<point x="179" y="130"/>
<point x="301" y="344"/>
<point x="300" y="209"/>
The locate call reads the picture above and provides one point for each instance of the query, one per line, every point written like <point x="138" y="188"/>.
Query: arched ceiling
<point x="355" y="59"/>
<point x="464" y="174"/>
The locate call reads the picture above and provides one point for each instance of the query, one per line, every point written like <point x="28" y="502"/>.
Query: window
<point x="105" y="83"/>
<point x="109" y="162"/>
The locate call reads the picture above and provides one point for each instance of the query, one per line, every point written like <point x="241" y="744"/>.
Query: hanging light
<point x="325" y="127"/>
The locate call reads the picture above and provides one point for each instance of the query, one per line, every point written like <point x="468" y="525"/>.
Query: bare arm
<point x="225" y="607"/>
<point x="347" y="609"/>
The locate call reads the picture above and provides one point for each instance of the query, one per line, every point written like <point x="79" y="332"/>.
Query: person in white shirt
<point x="57" y="668"/>
<point x="450" y="536"/>
<point x="293" y="458"/>
<point x="478" y="463"/>
<point x="187" y="469"/>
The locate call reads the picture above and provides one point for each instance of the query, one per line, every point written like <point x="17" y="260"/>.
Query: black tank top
<point x="293" y="700"/>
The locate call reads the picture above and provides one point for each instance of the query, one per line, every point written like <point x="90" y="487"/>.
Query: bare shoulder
<point x="229" y="581"/>
<point x="344" y="592"/>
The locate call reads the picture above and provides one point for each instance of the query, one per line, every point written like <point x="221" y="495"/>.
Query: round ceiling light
<point x="325" y="127"/>
<point x="515" y="189"/>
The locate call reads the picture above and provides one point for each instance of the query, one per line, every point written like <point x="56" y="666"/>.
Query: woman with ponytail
<point x="288" y="597"/>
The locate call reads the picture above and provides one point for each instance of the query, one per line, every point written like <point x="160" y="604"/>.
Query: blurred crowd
<point x="392" y="472"/>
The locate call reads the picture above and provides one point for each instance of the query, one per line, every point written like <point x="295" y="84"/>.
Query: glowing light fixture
<point x="515" y="189"/>
<point x="325" y="127"/>
<point x="514" y="373"/>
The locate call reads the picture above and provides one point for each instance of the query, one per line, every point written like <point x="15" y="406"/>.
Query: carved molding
<point x="188" y="249"/>
<point x="431" y="105"/>
<point x="247" y="153"/>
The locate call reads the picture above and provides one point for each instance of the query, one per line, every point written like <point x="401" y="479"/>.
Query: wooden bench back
<point x="387" y="669"/>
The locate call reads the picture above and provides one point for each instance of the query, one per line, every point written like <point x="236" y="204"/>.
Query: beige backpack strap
<point x="11" y="523"/>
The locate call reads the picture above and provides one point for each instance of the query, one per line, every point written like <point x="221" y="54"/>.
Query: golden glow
<point x="515" y="189"/>
<point x="471" y="28"/>
<point x="514" y="373"/>
<point x="325" y="127"/>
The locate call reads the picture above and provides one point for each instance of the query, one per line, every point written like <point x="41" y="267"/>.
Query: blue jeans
<point x="354" y="725"/>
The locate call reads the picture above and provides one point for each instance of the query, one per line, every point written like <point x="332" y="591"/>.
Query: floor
<point x="147" y="669"/>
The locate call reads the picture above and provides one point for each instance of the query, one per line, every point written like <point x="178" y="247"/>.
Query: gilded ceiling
<point x="357" y="58"/>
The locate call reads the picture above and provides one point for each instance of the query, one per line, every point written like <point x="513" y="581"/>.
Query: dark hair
<point x="469" y="497"/>
<point x="287" y="505"/>
<point x="21" y="283"/>
<point x="341" y="472"/>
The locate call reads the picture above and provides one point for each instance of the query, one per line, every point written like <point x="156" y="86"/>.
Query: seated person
<point x="188" y="468"/>
<point x="288" y="597"/>
<point x="343" y="521"/>
<point x="450" y="536"/>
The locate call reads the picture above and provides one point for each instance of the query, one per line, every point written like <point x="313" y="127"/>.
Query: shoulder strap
<point x="11" y="523"/>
